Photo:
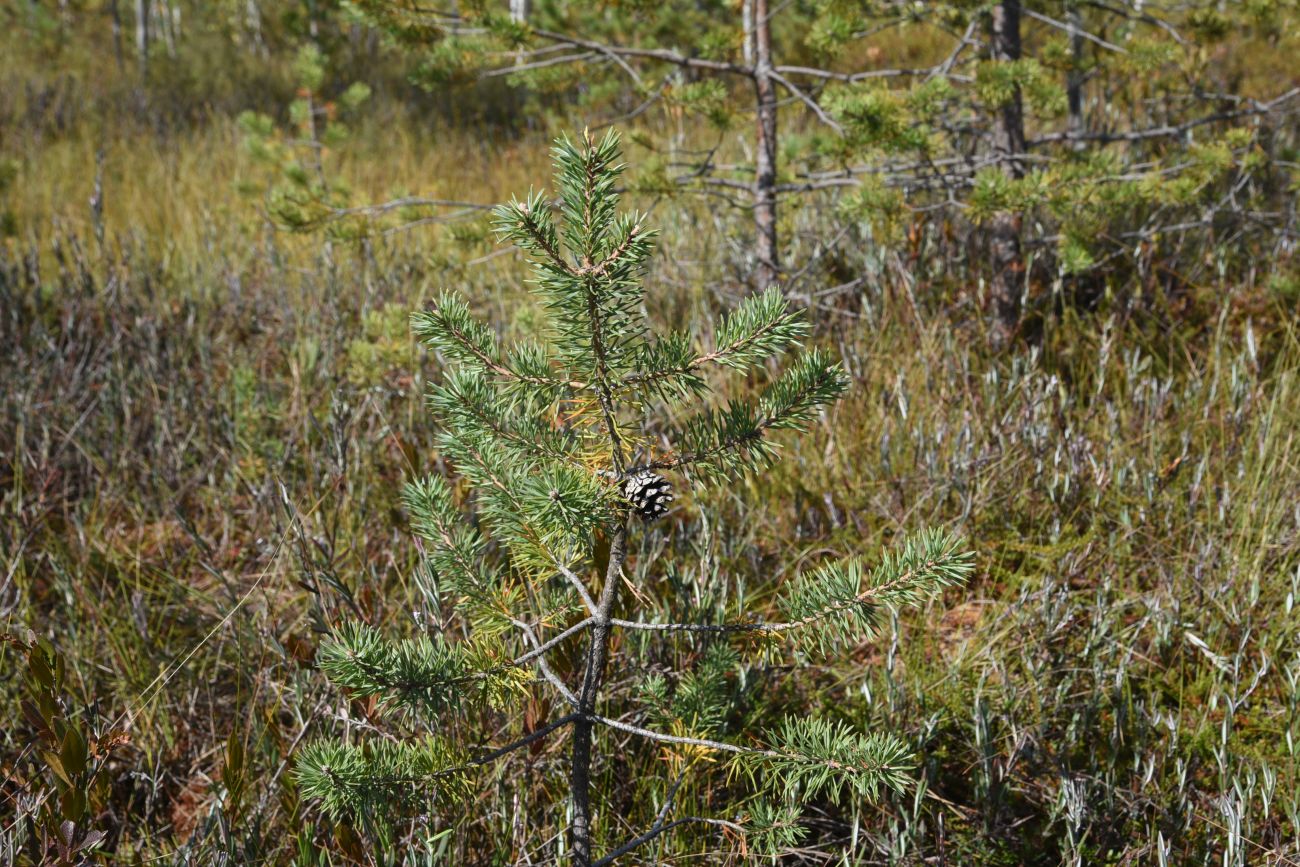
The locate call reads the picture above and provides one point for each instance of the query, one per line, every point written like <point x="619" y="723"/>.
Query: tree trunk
<point x="519" y="10"/>
<point x="142" y="36"/>
<point x="1007" y="284"/>
<point x="116" y="18"/>
<point x="167" y="26"/>
<point x="747" y="32"/>
<point x="1074" y="79"/>
<point x="769" y="264"/>
<point x="253" y="21"/>
<point x="597" y="655"/>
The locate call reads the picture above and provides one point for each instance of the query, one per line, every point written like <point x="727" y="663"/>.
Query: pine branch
<point x="761" y="326"/>
<point x="835" y="599"/>
<point x="666" y="367"/>
<point x="450" y="328"/>
<point x="586" y="188"/>
<point x="587" y="177"/>
<point x="843" y="603"/>
<point x="810" y="754"/>
<point x="430" y="674"/>
<point x="374" y="778"/>
<point x="529" y="225"/>
<point x="816" y="757"/>
<point x="634" y="233"/>
<point x="725" y="443"/>
<point x="380" y="777"/>
<point x="773" y="828"/>
<point x="467" y="401"/>
<point x="456" y="547"/>
<point x="543" y="511"/>
<point x="592" y="282"/>
<point x="424" y="673"/>
<point x="721" y="443"/>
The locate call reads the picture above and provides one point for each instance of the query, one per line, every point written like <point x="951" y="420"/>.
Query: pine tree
<point x="1061" y="134"/>
<point x="549" y="438"/>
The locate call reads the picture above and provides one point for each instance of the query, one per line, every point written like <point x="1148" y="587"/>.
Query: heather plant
<point x="553" y="473"/>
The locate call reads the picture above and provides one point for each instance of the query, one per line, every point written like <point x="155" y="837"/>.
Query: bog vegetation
<point x="1041" y="254"/>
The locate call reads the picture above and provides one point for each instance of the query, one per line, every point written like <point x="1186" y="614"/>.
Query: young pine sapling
<point x="550" y="439"/>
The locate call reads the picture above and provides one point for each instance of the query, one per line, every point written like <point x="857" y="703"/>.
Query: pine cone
<point x="649" y="494"/>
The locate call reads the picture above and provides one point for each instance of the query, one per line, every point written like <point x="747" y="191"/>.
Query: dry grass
<point x="204" y="425"/>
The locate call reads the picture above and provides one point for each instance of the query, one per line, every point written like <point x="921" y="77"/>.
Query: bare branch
<point x="1144" y="18"/>
<point x="808" y="101"/>
<point x="543" y="665"/>
<point x="653" y="833"/>
<point x="1170" y="131"/>
<point x="538" y="64"/>
<point x="579" y="586"/>
<point x="409" y="202"/>
<point x="660" y="54"/>
<point x="951" y="60"/>
<point x="542" y="648"/>
<point x="851" y="77"/>
<point x="524" y="741"/>
<point x="679" y="739"/>
<point x="1070" y="28"/>
<point x="655" y="829"/>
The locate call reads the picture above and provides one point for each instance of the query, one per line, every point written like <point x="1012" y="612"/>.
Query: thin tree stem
<point x="598" y="653"/>
<point x="764" y="189"/>
<point x="661" y="829"/>
<point x="545" y="667"/>
<point x="650" y="734"/>
<point x="1007" y="284"/>
<point x="542" y="648"/>
<point x="524" y="741"/>
<point x="580" y="774"/>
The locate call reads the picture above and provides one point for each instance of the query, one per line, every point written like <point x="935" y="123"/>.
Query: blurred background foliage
<point x="211" y="235"/>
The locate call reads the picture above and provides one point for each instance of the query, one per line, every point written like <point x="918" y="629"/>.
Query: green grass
<point x="204" y="426"/>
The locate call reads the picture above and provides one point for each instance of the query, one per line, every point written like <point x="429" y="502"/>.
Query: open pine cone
<point x="649" y="493"/>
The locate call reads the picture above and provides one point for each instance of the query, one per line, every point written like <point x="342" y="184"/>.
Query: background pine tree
<point x="1057" y="135"/>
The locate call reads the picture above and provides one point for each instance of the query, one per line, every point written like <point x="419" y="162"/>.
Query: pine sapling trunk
<point x="598" y="652"/>
<point x="597" y="656"/>
<point x="769" y="265"/>
<point x="1006" y="285"/>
